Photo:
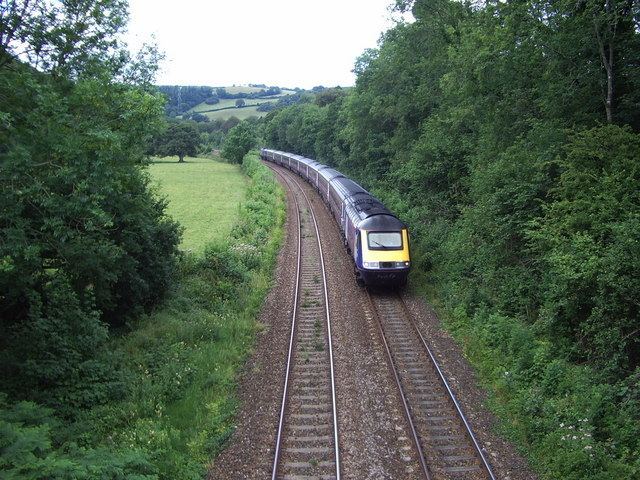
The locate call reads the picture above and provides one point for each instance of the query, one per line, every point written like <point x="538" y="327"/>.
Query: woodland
<point x="505" y="134"/>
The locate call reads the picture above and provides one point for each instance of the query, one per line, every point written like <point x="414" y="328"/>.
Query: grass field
<point x="230" y="102"/>
<point x="240" y="113"/>
<point x="204" y="196"/>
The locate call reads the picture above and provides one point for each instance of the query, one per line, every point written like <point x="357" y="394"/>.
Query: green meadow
<point x="204" y="196"/>
<point x="240" y="113"/>
<point x="229" y="102"/>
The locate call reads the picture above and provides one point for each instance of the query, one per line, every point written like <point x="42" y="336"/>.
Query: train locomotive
<point x="376" y="239"/>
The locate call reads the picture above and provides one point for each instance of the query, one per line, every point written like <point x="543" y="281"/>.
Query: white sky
<point x="288" y="43"/>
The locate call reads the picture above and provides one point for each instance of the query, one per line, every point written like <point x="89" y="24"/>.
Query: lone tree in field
<point x="179" y="139"/>
<point x="238" y="142"/>
<point x="240" y="103"/>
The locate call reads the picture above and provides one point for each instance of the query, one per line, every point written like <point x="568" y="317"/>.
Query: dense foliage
<point x="238" y="142"/>
<point x="506" y="135"/>
<point x="177" y="139"/>
<point x="85" y="245"/>
<point x="178" y="367"/>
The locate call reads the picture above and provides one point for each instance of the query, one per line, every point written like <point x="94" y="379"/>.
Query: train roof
<point x="317" y="165"/>
<point x="382" y="223"/>
<point x="307" y="161"/>
<point x="345" y="187"/>
<point x="367" y="212"/>
<point x="330" y="173"/>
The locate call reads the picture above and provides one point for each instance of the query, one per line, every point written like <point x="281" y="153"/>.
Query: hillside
<point x="188" y="99"/>
<point x="226" y="108"/>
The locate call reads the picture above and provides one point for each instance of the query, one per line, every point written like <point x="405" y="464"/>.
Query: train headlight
<point x="401" y="264"/>
<point x="371" y="264"/>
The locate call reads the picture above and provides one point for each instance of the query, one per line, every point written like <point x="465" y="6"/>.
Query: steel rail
<point x="448" y="389"/>
<point x="290" y="180"/>
<point x="276" y="458"/>
<point x="403" y="397"/>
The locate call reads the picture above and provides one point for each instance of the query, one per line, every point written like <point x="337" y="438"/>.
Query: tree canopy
<point x="84" y="242"/>
<point x="180" y="139"/>
<point x="238" y="142"/>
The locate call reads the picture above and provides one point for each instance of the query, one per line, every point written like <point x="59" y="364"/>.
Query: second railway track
<point x="442" y="435"/>
<point x="307" y="439"/>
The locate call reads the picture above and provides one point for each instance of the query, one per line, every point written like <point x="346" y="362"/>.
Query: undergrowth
<point x="568" y="422"/>
<point x="178" y="367"/>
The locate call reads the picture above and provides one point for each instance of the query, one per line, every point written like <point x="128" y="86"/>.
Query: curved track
<point x="442" y="435"/>
<point x="307" y="439"/>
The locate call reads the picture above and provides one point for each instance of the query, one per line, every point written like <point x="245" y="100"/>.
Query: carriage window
<point x="384" y="240"/>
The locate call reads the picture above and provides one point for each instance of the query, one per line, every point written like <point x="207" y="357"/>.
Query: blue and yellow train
<point x="377" y="241"/>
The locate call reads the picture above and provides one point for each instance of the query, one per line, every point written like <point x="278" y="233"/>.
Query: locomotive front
<point x="383" y="258"/>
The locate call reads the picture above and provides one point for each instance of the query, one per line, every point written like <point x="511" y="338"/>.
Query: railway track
<point x="307" y="444"/>
<point x="442" y="435"/>
<point x="307" y="438"/>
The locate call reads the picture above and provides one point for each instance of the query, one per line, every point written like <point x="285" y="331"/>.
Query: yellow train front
<point x="381" y="257"/>
<point x="377" y="240"/>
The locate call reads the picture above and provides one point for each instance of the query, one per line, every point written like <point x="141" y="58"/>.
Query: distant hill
<point x="220" y="102"/>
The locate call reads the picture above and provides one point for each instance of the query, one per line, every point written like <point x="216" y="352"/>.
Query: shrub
<point x="238" y="142"/>
<point x="27" y="450"/>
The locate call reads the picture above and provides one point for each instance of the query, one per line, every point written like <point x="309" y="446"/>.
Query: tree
<point x="229" y="123"/>
<point x="616" y="35"/>
<point x="240" y="103"/>
<point x="179" y="139"/>
<point x="62" y="37"/>
<point x="238" y="142"/>
<point x="84" y="242"/>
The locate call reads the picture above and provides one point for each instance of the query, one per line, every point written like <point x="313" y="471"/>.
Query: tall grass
<point x="181" y="362"/>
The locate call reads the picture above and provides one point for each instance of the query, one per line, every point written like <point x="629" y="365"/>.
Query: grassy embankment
<point x="533" y="392"/>
<point x="182" y="360"/>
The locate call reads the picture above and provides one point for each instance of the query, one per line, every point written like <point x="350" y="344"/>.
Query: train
<point x="377" y="241"/>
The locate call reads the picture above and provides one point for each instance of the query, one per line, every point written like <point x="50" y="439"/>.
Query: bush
<point x="575" y="426"/>
<point x="589" y="239"/>
<point x="238" y="142"/>
<point x="84" y="241"/>
<point x="27" y="450"/>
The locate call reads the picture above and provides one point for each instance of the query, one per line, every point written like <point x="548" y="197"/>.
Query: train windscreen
<point x="384" y="240"/>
